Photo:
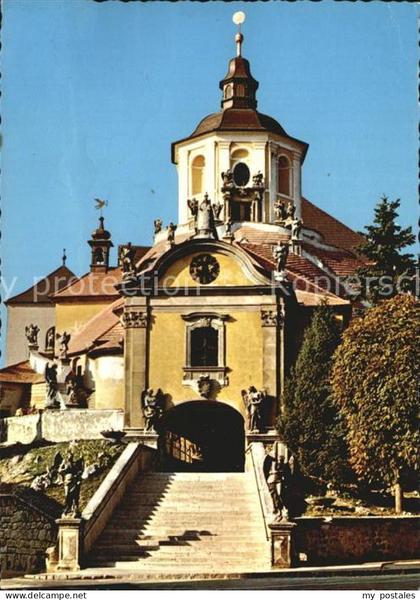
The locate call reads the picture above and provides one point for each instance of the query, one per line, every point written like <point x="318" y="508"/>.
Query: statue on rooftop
<point x="206" y="218"/>
<point x="258" y="180"/>
<point x="63" y="340"/>
<point x="291" y="210"/>
<point x="127" y="258"/>
<point x="281" y="253"/>
<point x="171" y="233"/>
<point x="227" y="178"/>
<point x="296" y="229"/>
<point x="279" y="211"/>
<point x="31" y="333"/>
<point x="158" y="225"/>
<point x="152" y="409"/>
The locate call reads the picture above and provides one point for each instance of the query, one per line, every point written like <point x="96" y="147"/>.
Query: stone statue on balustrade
<point x="51" y="400"/>
<point x="31" y="333"/>
<point x="286" y="486"/>
<point x="258" y="180"/>
<point x="205" y="220"/>
<point x="290" y="211"/>
<point x="152" y="409"/>
<point x="254" y="401"/>
<point x="71" y="472"/>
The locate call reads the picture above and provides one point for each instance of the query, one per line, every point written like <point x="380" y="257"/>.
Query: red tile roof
<point x="20" y="373"/>
<point x="96" y="329"/>
<point x="333" y="231"/>
<point x="96" y="284"/>
<point x="43" y="289"/>
<point x="341" y="262"/>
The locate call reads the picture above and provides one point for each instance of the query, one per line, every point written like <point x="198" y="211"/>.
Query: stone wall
<point x="342" y="540"/>
<point x="25" y="534"/>
<point x="60" y="425"/>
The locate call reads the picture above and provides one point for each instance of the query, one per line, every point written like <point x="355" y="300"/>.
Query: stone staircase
<point x="191" y="523"/>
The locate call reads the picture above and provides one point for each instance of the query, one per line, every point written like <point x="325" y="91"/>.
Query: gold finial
<point x="239" y="18"/>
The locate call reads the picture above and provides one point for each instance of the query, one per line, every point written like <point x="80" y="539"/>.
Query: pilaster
<point x="135" y="320"/>
<point x="272" y="355"/>
<point x="297" y="184"/>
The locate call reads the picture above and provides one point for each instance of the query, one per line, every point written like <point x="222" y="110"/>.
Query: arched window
<point x="204" y="347"/>
<point x="228" y="91"/>
<point x="98" y="256"/>
<point x="197" y="175"/>
<point x="283" y="176"/>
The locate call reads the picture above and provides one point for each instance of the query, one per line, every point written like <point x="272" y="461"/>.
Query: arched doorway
<point x="202" y="435"/>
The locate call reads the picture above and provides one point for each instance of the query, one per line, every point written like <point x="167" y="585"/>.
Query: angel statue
<point x="51" y="385"/>
<point x="217" y="209"/>
<point x="290" y="211"/>
<point x="254" y="400"/>
<point x="279" y="211"/>
<point x="31" y="333"/>
<point x="152" y="408"/>
<point x="193" y="206"/>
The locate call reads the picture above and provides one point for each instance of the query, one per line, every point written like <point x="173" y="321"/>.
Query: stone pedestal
<point x="68" y="544"/>
<point x="282" y="544"/>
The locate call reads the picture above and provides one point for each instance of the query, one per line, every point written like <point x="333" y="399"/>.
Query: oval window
<point x="241" y="174"/>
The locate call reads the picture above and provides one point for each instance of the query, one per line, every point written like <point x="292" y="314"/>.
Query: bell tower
<point x="242" y="159"/>
<point x="101" y="245"/>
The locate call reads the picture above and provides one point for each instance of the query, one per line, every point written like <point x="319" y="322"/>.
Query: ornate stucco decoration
<point x="271" y="318"/>
<point x="134" y="319"/>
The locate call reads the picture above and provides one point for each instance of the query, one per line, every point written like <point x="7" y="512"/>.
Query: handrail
<point x="263" y="493"/>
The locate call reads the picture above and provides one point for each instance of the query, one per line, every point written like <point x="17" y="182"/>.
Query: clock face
<point x="204" y="268"/>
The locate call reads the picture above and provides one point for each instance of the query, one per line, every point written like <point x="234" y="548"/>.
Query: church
<point x="192" y="337"/>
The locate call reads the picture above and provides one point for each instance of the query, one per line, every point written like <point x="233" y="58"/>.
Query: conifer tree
<point x="310" y="424"/>
<point x="388" y="271"/>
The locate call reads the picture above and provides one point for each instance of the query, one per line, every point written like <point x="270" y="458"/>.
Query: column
<point x="297" y="185"/>
<point x="223" y="164"/>
<point x="183" y="185"/>
<point x="135" y="321"/>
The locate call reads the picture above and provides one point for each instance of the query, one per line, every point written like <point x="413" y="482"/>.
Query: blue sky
<point x="94" y="93"/>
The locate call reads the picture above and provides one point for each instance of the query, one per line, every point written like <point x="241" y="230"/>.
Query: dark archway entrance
<point x="202" y="435"/>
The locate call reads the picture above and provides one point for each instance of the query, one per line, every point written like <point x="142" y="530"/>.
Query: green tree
<point x="375" y="386"/>
<point x="310" y="424"/>
<point x="387" y="272"/>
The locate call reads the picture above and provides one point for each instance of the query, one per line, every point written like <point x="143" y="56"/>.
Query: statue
<point x="280" y="253"/>
<point x="127" y="256"/>
<point x="31" y="332"/>
<point x="193" y="206"/>
<point x="171" y="233"/>
<point x="296" y="229"/>
<point x="64" y="340"/>
<point x="51" y="385"/>
<point x="152" y="408"/>
<point x="278" y="482"/>
<point x="71" y="472"/>
<point x="227" y="178"/>
<point x="75" y="390"/>
<point x="253" y="400"/>
<point x="206" y="217"/>
<point x="290" y="213"/>
<point x="279" y="210"/>
<point x="217" y="209"/>
<point x="50" y="339"/>
<point x="258" y="180"/>
<point x="158" y="225"/>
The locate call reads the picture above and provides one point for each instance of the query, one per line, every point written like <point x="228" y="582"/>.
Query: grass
<point x="17" y="474"/>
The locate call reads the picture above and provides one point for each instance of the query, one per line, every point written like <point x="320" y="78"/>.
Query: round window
<point x="241" y="174"/>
